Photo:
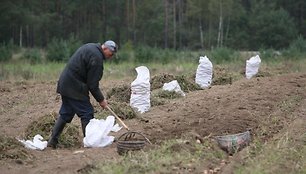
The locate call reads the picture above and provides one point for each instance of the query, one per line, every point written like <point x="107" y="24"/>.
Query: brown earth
<point x="263" y="104"/>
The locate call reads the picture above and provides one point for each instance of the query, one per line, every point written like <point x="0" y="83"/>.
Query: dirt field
<point x="223" y="109"/>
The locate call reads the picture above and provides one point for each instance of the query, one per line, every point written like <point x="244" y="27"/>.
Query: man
<point x="81" y="76"/>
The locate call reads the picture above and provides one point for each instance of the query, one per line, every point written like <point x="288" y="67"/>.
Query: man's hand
<point x="103" y="104"/>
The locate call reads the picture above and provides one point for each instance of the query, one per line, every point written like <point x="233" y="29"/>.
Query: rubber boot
<point x="57" y="130"/>
<point x="84" y="123"/>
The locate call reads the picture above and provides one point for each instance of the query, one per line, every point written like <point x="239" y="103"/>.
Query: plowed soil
<point x="219" y="110"/>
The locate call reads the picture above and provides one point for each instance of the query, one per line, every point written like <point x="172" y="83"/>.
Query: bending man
<point x="81" y="76"/>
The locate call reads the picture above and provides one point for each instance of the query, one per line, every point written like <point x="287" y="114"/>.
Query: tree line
<point x="173" y="24"/>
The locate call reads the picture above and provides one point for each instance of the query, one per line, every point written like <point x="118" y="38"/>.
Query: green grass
<point x="285" y="152"/>
<point x="285" y="155"/>
<point x="124" y="70"/>
<point x="173" y="156"/>
<point x="50" y="71"/>
<point x="26" y="71"/>
<point x="177" y="63"/>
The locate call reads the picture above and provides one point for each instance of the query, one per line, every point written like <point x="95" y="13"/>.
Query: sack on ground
<point x="173" y="86"/>
<point x="36" y="143"/>
<point x="252" y="66"/>
<point x="204" y="72"/>
<point x="140" y="90"/>
<point x="97" y="132"/>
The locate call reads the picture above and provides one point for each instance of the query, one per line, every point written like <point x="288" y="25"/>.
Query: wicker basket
<point x="235" y="142"/>
<point x="130" y="141"/>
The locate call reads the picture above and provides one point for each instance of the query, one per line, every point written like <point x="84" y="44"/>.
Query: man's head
<point x="109" y="48"/>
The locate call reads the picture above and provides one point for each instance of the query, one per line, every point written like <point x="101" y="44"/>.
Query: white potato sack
<point x="252" y="66"/>
<point x="204" y="72"/>
<point x="140" y="90"/>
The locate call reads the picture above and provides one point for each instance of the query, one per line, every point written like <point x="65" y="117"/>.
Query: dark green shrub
<point x="165" y="56"/>
<point x="168" y="94"/>
<point x="148" y="54"/>
<point x="33" y="55"/>
<point x="61" y="50"/>
<point x="144" y="54"/>
<point x="122" y="56"/>
<point x="43" y="126"/>
<point x="73" y="44"/>
<point x="299" y="45"/>
<point x="125" y="53"/>
<point x="223" y="54"/>
<point x="57" y="50"/>
<point x="297" y="49"/>
<point x="266" y="54"/>
<point x="5" y="53"/>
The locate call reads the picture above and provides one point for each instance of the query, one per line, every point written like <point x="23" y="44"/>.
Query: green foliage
<point x="167" y="56"/>
<point x="11" y="148"/>
<point x="144" y="54"/>
<point x="122" y="109"/>
<point x="33" y="55"/>
<point x="43" y="126"/>
<point x="61" y="50"/>
<point x="73" y="44"/>
<point x="299" y="44"/>
<point x="168" y="94"/>
<point x="297" y="49"/>
<point x="5" y="52"/>
<point x="269" y="54"/>
<point x="270" y="27"/>
<point x="125" y="53"/>
<point x="149" y="31"/>
<point x="57" y="50"/>
<point x="120" y="93"/>
<point x="223" y="54"/>
<point x="192" y="24"/>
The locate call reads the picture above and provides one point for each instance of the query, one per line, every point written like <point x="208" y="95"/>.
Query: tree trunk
<point x="20" y="37"/>
<point x="219" y="42"/>
<point x="134" y="22"/>
<point x="117" y="29"/>
<point x="180" y="16"/>
<point x="174" y="24"/>
<point x="166" y="25"/>
<point x="104" y="28"/>
<point x="209" y="34"/>
<point x="227" y="29"/>
<point x="201" y="36"/>
<point x="128" y="19"/>
<point x="27" y="36"/>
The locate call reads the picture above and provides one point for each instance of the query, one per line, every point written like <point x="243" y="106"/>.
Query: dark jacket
<point x="83" y="73"/>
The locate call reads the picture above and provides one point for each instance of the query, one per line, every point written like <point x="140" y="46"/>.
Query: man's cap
<point x="111" y="45"/>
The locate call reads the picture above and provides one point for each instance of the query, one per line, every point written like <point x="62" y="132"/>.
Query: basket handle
<point x="134" y="132"/>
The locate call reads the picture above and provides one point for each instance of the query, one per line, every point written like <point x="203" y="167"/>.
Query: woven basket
<point x="130" y="141"/>
<point x="235" y="142"/>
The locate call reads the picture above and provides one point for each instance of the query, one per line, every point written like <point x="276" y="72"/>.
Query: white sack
<point x="36" y="144"/>
<point x="173" y="86"/>
<point x="204" y="72"/>
<point x="97" y="132"/>
<point x="140" y="90"/>
<point x="252" y="66"/>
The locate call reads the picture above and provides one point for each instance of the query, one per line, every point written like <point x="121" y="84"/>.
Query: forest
<point x="165" y="24"/>
<point x="235" y="125"/>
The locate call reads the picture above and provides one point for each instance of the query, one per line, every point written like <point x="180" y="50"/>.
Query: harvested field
<point x="267" y="105"/>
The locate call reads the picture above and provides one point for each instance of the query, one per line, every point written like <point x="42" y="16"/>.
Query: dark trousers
<point x="70" y="107"/>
